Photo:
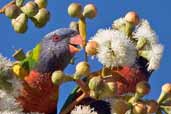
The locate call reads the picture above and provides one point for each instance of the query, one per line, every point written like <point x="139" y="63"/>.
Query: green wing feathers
<point x="32" y="59"/>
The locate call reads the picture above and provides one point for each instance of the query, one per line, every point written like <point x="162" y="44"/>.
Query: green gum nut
<point x="30" y="9"/>
<point x="75" y="10"/>
<point x="166" y="93"/>
<point x="57" y="77"/>
<point x="19" y="55"/>
<point x="93" y="94"/>
<point x="37" y="24"/>
<point x="41" y="3"/>
<point x="82" y="69"/>
<point x="119" y="106"/>
<point x="143" y="88"/>
<point x="20" y="23"/>
<point x="140" y="108"/>
<point x="41" y="18"/>
<point x="12" y="11"/>
<point x="95" y="83"/>
<point x="19" y="27"/>
<point x="112" y="86"/>
<point x="104" y="92"/>
<point x="90" y="11"/>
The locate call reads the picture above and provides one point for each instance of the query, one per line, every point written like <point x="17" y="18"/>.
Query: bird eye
<point x="55" y="38"/>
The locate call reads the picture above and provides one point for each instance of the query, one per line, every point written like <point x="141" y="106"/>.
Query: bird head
<point x="57" y="49"/>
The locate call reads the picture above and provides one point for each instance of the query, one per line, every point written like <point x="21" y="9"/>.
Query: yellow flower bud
<point x="132" y="17"/>
<point x="19" y="71"/>
<point x="166" y="88"/>
<point x="91" y="48"/>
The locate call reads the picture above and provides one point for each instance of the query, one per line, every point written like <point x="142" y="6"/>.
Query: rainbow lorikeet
<point x="54" y="52"/>
<point x="132" y="76"/>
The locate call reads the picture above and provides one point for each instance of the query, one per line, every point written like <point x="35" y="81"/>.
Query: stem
<point x="2" y="10"/>
<point x="129" y="29"/>
<point x="73" y="104"/>
<point x="161" y="97"/>
<point x="68" y="78"/>
<point x="116" y="77"/>
<point x="103" y="72"/>
<point x="135" y="98"/>
<point x="83" y="86"/>
<point x="83" y="33"/>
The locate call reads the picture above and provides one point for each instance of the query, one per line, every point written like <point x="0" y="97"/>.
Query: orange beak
<point x="75" y="44"/>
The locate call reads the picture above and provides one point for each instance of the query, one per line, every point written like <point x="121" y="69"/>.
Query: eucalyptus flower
<point x="81" y="109"/>
<point x="155" y="57"/>
<point x="5" y="64"/>
<point x="114" y="48"/>
<point x="118" y="23"/>
<point x="144" y="30"/>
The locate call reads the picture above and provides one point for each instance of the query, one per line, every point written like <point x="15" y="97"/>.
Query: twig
<point x="73" y="104"/>
<point x="83" y="86"/>
<point x="83" y="32"/>
<point x="115" y="77"/>
<point x="2" y="10"/>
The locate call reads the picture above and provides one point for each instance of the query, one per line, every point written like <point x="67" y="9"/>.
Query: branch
<point x="2" y="10"/>
<point x="83" y="86"/>
<point x="73" y="104"/>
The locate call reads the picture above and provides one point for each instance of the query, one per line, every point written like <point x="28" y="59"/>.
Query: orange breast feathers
<point x="38" y="94"/>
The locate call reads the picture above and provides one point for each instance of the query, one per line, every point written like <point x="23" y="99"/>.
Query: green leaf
<point x="36" y="52"/>
<point x="19" y="3"/>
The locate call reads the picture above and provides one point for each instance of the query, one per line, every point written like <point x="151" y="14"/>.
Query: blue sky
<point x="156" y="11"/>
